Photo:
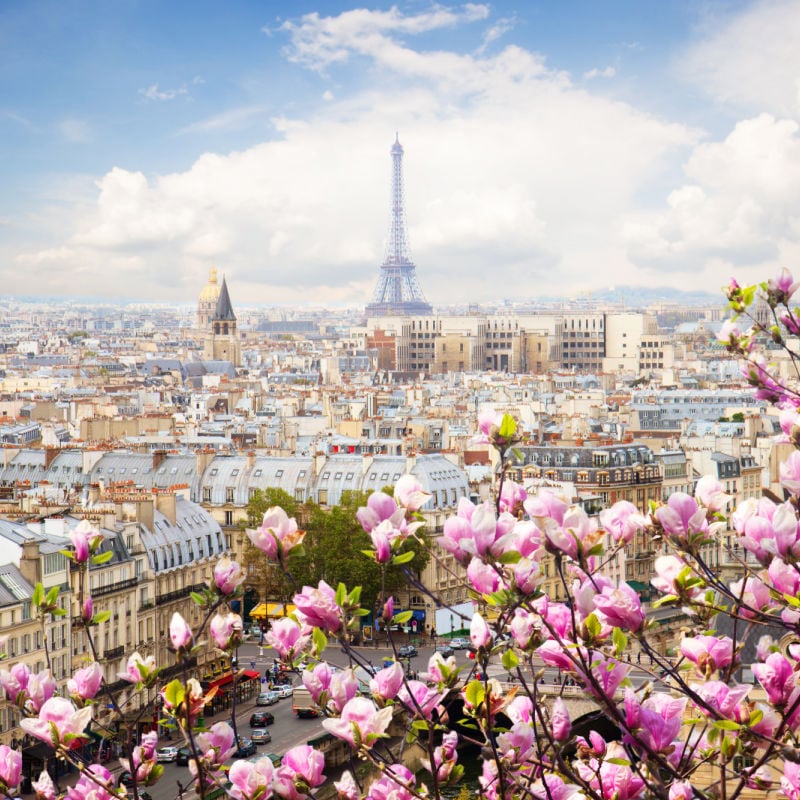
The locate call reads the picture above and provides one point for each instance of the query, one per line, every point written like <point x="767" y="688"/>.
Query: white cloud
<point x="511" y="170"/>
<point x="231" y="120"/>
<point x="741" y="206"/>
<point x="608" y="72"/>
<point x="154" y="93"/>
<point x="750" y="59"/>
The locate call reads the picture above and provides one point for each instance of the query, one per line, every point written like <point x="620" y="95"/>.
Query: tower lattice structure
<point x="397" y="292"/>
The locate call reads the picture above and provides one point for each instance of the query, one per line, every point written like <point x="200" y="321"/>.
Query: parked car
<point x="260" y="719"/>
<point x="284" y="690"/>
<point x="246" y="748"/>
<point x="459" y="643"/>
<point x="182" y="759"/>
<point x="267" y="699"/>
<point x="445" y="650"/>
<point x="273" y="757"/>
<point x="168" y="754"/>
<point x="407" y="651"/>
<point x="260" y="736"/>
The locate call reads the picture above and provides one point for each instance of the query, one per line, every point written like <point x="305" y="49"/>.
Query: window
<point x="229" y="494"/>
<point x="206" y="494"/>
<point x="229" y="517"/>
<point x="337" y="476"/>
<point x="257" y="473"/>
<point x="234" y="473"/>
<point x="279" y="473"/>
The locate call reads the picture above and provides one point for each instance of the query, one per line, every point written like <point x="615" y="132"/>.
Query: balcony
<point x="179" y="594"/>
<point x="119" y="586"/>
<point x="114" y="653"/>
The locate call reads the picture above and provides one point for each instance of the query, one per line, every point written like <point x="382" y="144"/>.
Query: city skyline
<point x="550" y="148"/>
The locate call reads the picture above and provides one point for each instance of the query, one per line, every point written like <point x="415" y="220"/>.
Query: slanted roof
<point x="224" y="310"/>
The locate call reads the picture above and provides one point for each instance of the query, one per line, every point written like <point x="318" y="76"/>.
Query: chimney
<point x="158" y="457"/>
<point x="251" y="459"/>
<point x="30" y="562"/>
<point x="49" y="454"/>
<point x="144" y="514"/>
<point x="166" y="504"/>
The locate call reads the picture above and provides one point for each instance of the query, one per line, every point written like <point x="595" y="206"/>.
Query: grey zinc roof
<point x="195" y="536"/>
<point x="13" y="587"/>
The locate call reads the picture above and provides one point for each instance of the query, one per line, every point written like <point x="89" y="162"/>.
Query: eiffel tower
<point x="397" y="292"/>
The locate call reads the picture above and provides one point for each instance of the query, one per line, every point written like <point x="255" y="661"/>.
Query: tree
<point x="334" y="552"/>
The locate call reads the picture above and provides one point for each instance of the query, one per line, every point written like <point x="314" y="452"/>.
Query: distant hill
<point x="638" y="296"/>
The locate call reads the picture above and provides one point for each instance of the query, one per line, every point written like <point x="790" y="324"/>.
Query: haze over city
<point x="549" y="147"/>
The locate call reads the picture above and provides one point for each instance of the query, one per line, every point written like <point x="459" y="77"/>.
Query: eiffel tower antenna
<point x="397" y="292"/>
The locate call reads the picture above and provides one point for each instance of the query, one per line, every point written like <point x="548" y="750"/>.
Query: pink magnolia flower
<point x="228" y="576"/>
<point x="517" y="744"/>
<point x="143" y="758"/>
<point x="612" y="779"/>
<point x="790" y="781"/>
<point x="445" y="757"/>
<point x="41" y="687"/>
<point x="180" y="633"/>
<point x="93" y="788"/>
<point x="546" y="505"/>
<point x="85" y="539"/>
<point x="15" y="680"/>
<point x="277" y="534"/>
<point x="708" y="652"/>
<point x="553" y="654"/>
<point x="317" y="680"/>
<point x="251" y="779"/>
<point x="317" y="608"/>
<point x="479" y="632"/>
<point x="552" y="787"/>
<point x="44" y="787"/>
<point x="682" y="518"/>
<point x="386" y="683"/>
<point x="721" y="698"/>
<point x="138" y="668"/>
<point x="439" y="669"/>
<point x="380" y="507"/>
<point x="512" y="497"/>
<point x="781" y="288"/>
<point x="288" y="638"/>
<point x="527" y="575"/>
<point x="560" y="720"/>
<point x="10" y="767"/>
<point x="790" y="473"/>
<point x="408" y="491"/>
<point x="608" y="674"/>
<point x="785" y="578"/>
<point x="483" y="577"/>
<point x="681" y="790"/>
<point x="776" y="675"/>
<point x="343" y="688"/>
<point x="476" y="531"/>
<point x="524" y="626"/>
<point x="86" y="682"/>
<point x="578" y="531"/>
<point x="753" y="594"/>
<point x="621" y="521"/>
<point x="383" y="535"/>
<point x="620" y="607"/>
<point x="520" y="710"/>
<point x="360" y="723"/>
<point x="668" y="571"/>
<point x="709" y="491"/>
<point x="299" y="772"/>
<point x="346" y="787"/>
<point x="226" y="630"/>
<point x="396" y="783"/>
<point x="661" y="717"/>
<point x="419" y="698"/>
<point x="217" y="744"/>
<point x="87" y="612"/>
<point x="57" y="719"/>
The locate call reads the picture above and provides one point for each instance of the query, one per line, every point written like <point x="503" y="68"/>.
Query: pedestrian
<point x="639" y="657"/>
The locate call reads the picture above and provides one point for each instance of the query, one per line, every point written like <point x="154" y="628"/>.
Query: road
<point x="288" y="731"/>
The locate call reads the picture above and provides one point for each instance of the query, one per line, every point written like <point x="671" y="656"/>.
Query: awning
<point x="225" y="679"/>
<point x="270" y="610"/>
<point x="251" y="675"/>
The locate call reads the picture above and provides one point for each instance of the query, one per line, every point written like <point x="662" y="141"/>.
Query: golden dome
<point x="211" y="290"/>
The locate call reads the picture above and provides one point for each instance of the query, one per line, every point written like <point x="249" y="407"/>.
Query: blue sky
<point x="563" y="146"/>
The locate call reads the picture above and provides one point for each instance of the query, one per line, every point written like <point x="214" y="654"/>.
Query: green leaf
<point x="756" y="715"/>
<point x="419" y="725"/>
<point x="198" y="598"/>
<point x="101" y="616"/>
<point x="620" y="641"/>
<point x="320" y="640"/>
<point x="620" y="762"/>
<point x="403" y="558"/>
<point x="508" y="427"/>
<point x="174" y="693"/>
<point x="355" y="596"/>
<point x="475" y="692"/>
<point x="510" y="660"/>
<point x="341" y="594"/>
<point x="510" y="557"/>
<point x="748" y="293"/>
<point x="58" y="612"/>
<point x="52" y="596"/>
<point x="402" y="617"/>
<point x="68" y="554"/>
<point x="102" y="558"/>
<point x="726" y="725"/>
<point x="593" y="626"/>
<point x="38" y="595"/>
